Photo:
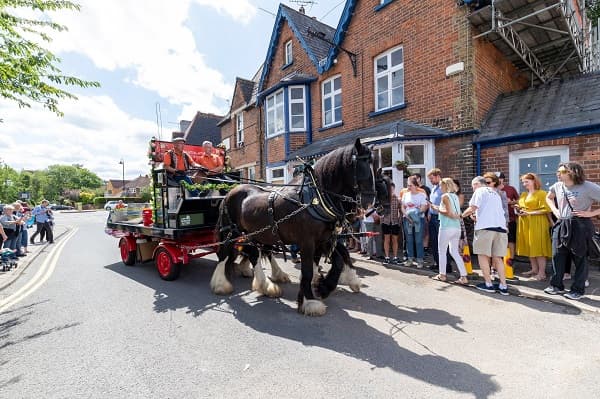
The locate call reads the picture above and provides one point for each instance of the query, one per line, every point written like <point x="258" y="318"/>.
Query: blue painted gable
<point x="315" y="48"/>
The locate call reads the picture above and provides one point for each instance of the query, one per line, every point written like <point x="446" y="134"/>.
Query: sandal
<point x="440" y="277"/>
<point x="462" y="281"/>
<point x="540" y="278"/>
<point x="529" y="273"/>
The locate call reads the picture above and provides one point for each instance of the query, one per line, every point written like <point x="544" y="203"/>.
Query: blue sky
<point x="183" y="55"/>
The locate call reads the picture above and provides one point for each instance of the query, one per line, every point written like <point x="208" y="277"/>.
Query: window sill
<point x="380" y="6"/>
<point x="385" y="111"/>
<point x="287" y="65"/>
<point x="333" y="125"/>
<point x="275" y="135"/>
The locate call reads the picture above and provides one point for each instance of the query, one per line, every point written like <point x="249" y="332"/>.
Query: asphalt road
<point x="85" y="326"/>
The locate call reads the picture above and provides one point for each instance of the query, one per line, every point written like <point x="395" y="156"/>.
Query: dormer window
<point x="239" y="129"/>
<point x="289" y="57"/>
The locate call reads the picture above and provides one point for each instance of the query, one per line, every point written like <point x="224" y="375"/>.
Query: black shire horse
<point x="340" y="182"/>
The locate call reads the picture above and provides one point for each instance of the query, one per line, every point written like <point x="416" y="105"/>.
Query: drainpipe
<point x="478" y="159"/>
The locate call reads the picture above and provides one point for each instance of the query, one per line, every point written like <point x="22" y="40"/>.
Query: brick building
<point x="416" y="80"/>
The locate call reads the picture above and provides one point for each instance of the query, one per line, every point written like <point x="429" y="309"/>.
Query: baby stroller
<point x="8" y="259"/>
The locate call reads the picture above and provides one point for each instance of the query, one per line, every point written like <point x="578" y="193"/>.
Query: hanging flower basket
<point x="401" y="166"/>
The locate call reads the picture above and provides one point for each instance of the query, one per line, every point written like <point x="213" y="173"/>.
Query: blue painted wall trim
<point x="541" y="136"/>
<point x="340" y="33"/>
<point x="337" y="124"/>
<point x="308" y="115"/>
<point x="282" y="14"/>
<point x="385" y="111"/>
<point x="261" y="96"/>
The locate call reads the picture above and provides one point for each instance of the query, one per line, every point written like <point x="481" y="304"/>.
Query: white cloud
<point x="151" y="39"/>
<point x="94" y="133"/>
<point x="241" y="10"/>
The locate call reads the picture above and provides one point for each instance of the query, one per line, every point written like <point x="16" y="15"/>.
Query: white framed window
<point x="252" y="173"/>
<point x="227" y="143"/>
<point x="297" y="101"/>
<point x="332" y="101"/>
<point x="239" y="129"/>
<point x="389" y="79"/>
<point x="541" y="161"/>
<point x="275" y="123"/>
<point x="276" y="175"/>
<point x="289" y="55"/>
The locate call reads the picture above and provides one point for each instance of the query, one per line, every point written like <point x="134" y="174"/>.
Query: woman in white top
<point x="414" y="205"/>
<point x="449" y="231"/>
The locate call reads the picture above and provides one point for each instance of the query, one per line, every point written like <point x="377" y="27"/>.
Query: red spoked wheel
<point x="127" y="256"/>
<point x="167" y="268"/>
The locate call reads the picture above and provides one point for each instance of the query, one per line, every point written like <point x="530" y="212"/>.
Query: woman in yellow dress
<point x="533" y="231"/>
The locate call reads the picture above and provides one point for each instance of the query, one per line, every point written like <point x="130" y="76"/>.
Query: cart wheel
<point x="127" y="256"/>
<point x="167" y="269"/>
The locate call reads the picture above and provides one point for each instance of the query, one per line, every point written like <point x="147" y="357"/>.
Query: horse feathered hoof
<point x="244" y="268"/>
<point x="219" y="283"/>
<point x="313" y="307"/>
<point x="264" y="285"/>
<point x="278" y="275"/>
<point x="350" y="278"/>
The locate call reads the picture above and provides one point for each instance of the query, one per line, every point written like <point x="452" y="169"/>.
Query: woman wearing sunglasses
<point x="572" y="233"/>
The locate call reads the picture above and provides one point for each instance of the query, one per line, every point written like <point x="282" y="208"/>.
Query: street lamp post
<point x="122" y="163"/>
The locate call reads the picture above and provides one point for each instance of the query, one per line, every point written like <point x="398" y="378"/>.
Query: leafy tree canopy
<point x="28" y="72"/>
<point x="593" y="11"/>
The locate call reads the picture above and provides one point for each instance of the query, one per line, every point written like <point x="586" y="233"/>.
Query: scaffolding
<point x="547" y="38"/>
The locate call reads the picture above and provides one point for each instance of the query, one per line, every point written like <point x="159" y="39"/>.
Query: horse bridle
<point x="355" y="187"/>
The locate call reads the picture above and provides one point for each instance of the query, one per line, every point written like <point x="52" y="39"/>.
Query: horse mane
<point x="328" y="168"/>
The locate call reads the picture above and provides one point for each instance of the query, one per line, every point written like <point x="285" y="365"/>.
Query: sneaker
<point x="573" y="295"/>
<point x="396" y="261"/>
<point x="386" y="261"/>
<point x="485" y="287"/>
<point x="567" y="276"/>
<point x="552" y="290"/>
<point x="503" y="291"/>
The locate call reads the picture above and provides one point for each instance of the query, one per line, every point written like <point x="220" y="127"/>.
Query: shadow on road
<point x="337" y="331"/>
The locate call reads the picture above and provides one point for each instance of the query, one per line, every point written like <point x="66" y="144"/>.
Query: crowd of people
<point x="536" y="225"/>
<point x="16" y="220"/>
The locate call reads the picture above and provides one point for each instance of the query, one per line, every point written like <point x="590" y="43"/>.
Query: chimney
<point x="301" y="10"/>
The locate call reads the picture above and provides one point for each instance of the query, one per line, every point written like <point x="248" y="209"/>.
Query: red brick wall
<point x="276" y="149"/>
<point x="493" y="75"/>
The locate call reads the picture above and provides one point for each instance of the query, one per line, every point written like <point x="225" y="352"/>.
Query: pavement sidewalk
<point x="520" y="285"/>
<point x="9" y="277"/>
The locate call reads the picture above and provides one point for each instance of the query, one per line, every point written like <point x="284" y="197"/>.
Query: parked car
<point x="56" y="207"/>
<point x="110" y="205"/>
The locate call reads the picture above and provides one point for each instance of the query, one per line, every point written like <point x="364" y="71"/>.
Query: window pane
<point x="338" y="114"/>
<point x="398" y="96"/>
<point x="386" y="157"/>
<point x="270" y="101"/>
<point x="327" y="103"/>
<point x="327" y="87"/>
<point x="279" y="98"/>
<point x="382" y="84"/>
<point x="414" y="154"/>
<point x="297" y="108"/>
<point x="421" y="171"/>
<point x="398" y="78"/>
<point x="549" y="164"/>
<point x="382" y="64"/>
<point x="337" y="83"/>
<point x="397" y="57"/>
<point x="327" y="117"/>
<point x="382" y="100"/>
<point x="527" y="165"/>
<point x="337" y="100"/>
<point x="277" y="173"/>
<point x="297" y="122"/>
<point x="297" y="93"/>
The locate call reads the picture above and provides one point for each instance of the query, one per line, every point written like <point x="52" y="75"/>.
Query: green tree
<point x="28" y="72"/>
<point x="593" y="11"/>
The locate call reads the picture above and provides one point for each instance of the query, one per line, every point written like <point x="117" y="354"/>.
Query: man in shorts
<point x="490" y="239"/>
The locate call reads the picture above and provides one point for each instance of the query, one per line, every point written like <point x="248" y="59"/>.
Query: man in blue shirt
<point x="42" y="220"/>
<point x="434" y="176"/>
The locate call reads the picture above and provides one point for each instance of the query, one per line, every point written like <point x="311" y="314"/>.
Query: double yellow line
<point x="40" y="277"/>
